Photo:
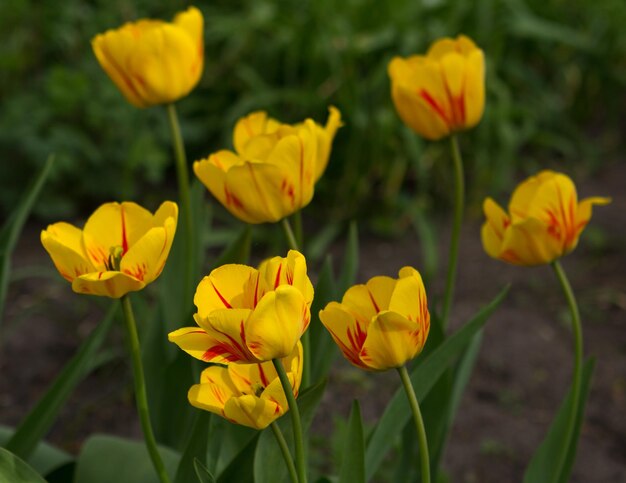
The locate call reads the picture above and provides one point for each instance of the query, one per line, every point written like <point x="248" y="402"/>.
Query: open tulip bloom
<point x="544" y="221"/>
<point x="247" y="315"/>
<point x="273" y="170"/>
<point x="382" y="324"/>
<point x="154" y="62"/>
<point x="122" y="248"/>
<point x="247" y="394"/>
<point x="441" y="92"/>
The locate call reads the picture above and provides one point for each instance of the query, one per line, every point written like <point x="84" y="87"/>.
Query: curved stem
<point x="291" y="238"/>
<point x="280" y="439"/>
<point x="140" y="390"/>
<point x="419" y="423"/>
<point x="295" y="420"/>
<point x="297" y="222"/>
<point x="578" y="359"/>
<point x="182" y="172"/>
<point x="459" y="195"/>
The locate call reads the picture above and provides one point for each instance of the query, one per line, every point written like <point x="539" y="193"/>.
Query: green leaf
<point x="238" y="251"/>
<point x="196" y="449"/>
<point x="269" y="465"/>
<point x="202" y="472"/>
<point x="15" y="470"/>
<point x="350" y="265"/>
<point x="13" y="227"/>
<point x="423" y="377"/>
<point x="323" y="347"/>
<point x="241" y="467"/>
<point x="353" y="458"/>
<point x="541" y="468"/>
<point x="45" y="458"/>
<point x="39" y="420"/>
<point x="106" y="459"/>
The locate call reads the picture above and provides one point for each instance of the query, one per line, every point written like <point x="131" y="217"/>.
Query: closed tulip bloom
<point x="382" y="324"/>
<point x="544" y="221"/>
<point x="154" y="62"/>
<point x="122" y="248"/>
<point x="250" y="394"/>
<point x="247" y="315"/>
<point x="273" y="170"/>
<point x="441" y="92"/>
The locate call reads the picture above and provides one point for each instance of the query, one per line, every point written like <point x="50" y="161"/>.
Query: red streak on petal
<point x="256" y="292"/>
<point x="277" y="281"/>
<point x="373" y="301"/>
<point x="226" y="304"/>
<point x="124" y="238"/>
<point x="263" y="377"/>
<point x="434" y="106"/>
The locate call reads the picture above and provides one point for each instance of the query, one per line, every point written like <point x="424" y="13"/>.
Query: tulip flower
<point x="154" y="62"/>
<point x="122" y="248"/>
<point x="247" y="394"/>
<point x="544" y="221"/>
<point x="247" y="315"/>
<point x="382" y="324"/>
<point x="273" y="171"/>
<point x="441" y="92"/>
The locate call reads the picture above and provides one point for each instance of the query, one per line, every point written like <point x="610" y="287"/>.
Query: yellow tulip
<point x="544" y="221"/>
<point x="381" y="324"/>
<point x="122" y="248"/>
<point x="440" y="92"/>
<point x="273" y="171"/>
<point x="247" y="394"/>
<point x="154" y="62"/>
<point x="247" y="315"/>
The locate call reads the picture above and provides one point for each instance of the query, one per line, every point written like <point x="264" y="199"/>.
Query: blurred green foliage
<point x="555" y="83"/>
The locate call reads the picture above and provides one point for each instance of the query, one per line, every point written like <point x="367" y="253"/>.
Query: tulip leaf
<point x="269" y="465"/>
<point x="542" y="467"/>
<point x="104" y="459"/>
<point x="350" y="265"/>
<point x="39" y="420"/>
<point x="241" y="467"/>
<point x="15" y="470"/>
<point x="323" y="348"/>
<point x="238" y="251"/>
<point x="202" y="472"/>
<point x="45" y="458"/>
<point x="195" y="450"/>
<point x="13" y="227"/>
<point x="423" y="377"/>
<point x="353" y="457"/>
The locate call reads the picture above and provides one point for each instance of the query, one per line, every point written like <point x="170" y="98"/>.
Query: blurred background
<point x="556" y="73"/>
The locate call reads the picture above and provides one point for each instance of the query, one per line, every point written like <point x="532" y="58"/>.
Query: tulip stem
<point x="578" y="358"/>
<point x="295" y="420"/>
<point x="280" y="439"/>
<point x="140" y="389"/>
<point x="459" y="195"/>
<point x="182" y="172"/>
<point x="419" y="423"/>
<point x="306" y="363"/>
<point x="297" y="221"/>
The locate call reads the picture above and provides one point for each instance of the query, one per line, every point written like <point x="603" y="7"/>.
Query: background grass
<point x="556" y="73"/>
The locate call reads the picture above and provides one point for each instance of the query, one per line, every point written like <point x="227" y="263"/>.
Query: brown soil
<point x="522" y="373"/>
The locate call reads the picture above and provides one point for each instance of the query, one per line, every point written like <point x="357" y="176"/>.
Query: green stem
<point x="182" y="172"/>
<point x="291" y="238"/>
<point x="306" y="363"/>
<point x="578" y="359"/>
<point x="140" y="389"/>
<point x="297" y="222"/>
<point x="280" y="439"/>
<point x="459" y="195"/>
<point x="295" y="420"/>
<point x="419" y="423"/>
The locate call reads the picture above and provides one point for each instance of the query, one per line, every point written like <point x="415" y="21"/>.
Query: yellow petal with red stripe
<point x="109" y="284"/>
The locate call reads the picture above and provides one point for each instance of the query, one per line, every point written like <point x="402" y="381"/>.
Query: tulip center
<point x="115" y="258"/>
<point x="258" y="389"/>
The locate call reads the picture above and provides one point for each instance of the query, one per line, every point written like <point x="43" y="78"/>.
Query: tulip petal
<point x="193" y="340"/>
<point x="192" y="22"/>
<point x="114" y="225"/>
<point x="252" y="125"/>
<point x="409" y="297"/>
<point x="223" y="288"/>
<point x="474" y="93"/>
<point x="214" y="391"/>
<point x="146" y="258"/>
<point x="492" y="232"/>
<point x="325" y="136"/>
<point x="365" y="301"/>
<point x="277" y="323"/>
<point x="62" y="241"/>
<point x="391" y="341"/>
<point x="110" y="284"/>
<point x="347" y="332"/>
<point x="212" y="173"/>
<point x="252" y="411"/>
<point x="291" y="270"/>
<point x="226" y="330"/>
<point x="583" y="214"/>
<point x="529" y="242"/>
